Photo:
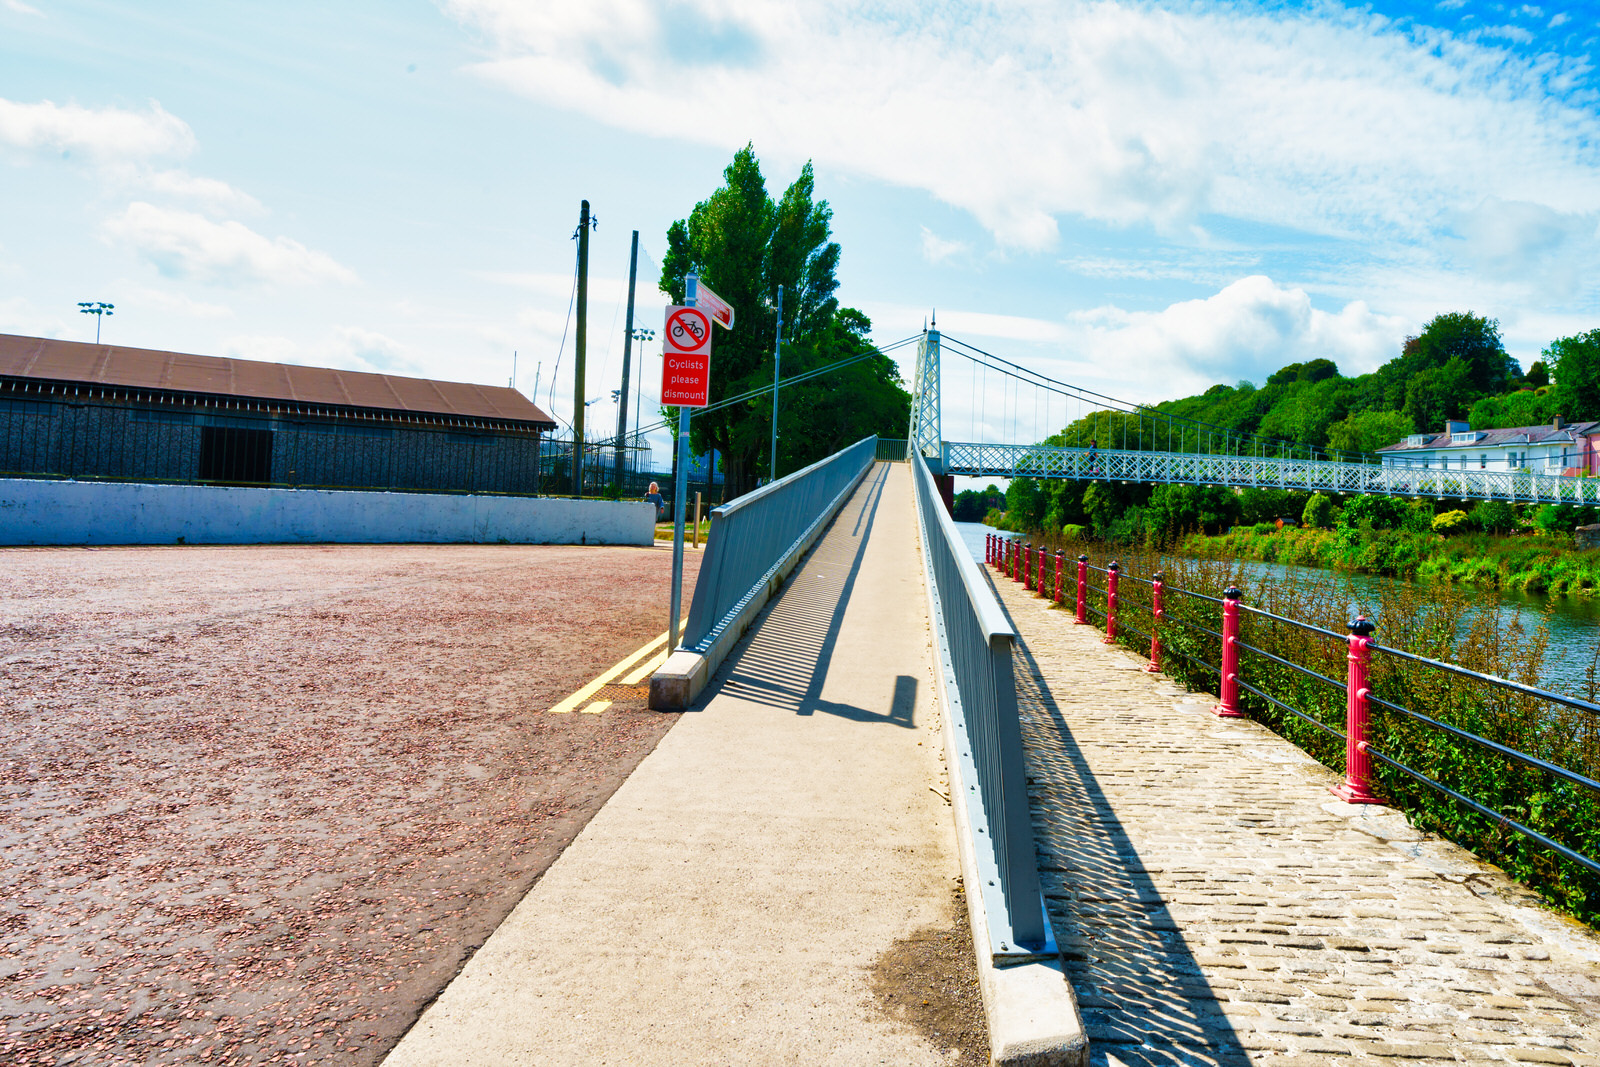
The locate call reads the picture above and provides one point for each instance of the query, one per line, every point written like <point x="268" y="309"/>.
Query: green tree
<point x="1438" y="394"/>
<point x="744" y="245"/>
<point x="1575" y="363"/>
<point x="1318" y="513"/>
<point x="1368" y="431"/>
<point x="820" y="416"/>
<point x="1493" y="516"/>
<point x="1472" y="339"/>
<point x="1525" y="407"/>
<point x="1025" y="503"/>
<point x="1382" y="512"/>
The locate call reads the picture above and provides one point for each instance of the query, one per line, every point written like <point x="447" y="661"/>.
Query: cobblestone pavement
<point x="1217" y="906"/>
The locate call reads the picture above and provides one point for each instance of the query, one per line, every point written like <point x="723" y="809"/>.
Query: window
<point x="1483" y="462"/>
<point x="229" y="454"/>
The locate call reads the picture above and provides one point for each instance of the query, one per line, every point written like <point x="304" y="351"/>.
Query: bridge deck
<point x="1218" y="906"/>
<point x="1268" y="472"/>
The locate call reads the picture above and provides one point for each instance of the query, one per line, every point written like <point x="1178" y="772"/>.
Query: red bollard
<point x="1111" y="603"/>
<point x="1082" y="617"/>
<point x="1057" y="597"/>
<point x="1027" y="569"/>
<point x="1357" y="785"/>
<point x="1038" y="586"/>
<point x="1229" y="707"/>
<point x="988" y="549"/>
<point x="1157" y="614"/>
<point x="1019" y="572"/>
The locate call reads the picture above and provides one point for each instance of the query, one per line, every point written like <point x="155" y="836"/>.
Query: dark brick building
<point x="71" y="410"/>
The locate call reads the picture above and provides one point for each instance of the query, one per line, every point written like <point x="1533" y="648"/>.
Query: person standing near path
<point x="654" y="497"/>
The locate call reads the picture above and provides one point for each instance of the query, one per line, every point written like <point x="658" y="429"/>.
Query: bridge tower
<point x="926" y="435"/>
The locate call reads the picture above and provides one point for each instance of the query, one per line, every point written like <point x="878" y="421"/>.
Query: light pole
<point x="641" y="335"/>
<point x="98" y="310"/>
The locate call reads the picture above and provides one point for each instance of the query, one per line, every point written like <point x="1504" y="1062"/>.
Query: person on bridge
<point x="654" y="497"/>
<point x="1094" y="455"/>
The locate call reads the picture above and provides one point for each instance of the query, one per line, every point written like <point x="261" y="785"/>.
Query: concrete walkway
<point x="727" y="904"/>
<point x="1218" y="906"/>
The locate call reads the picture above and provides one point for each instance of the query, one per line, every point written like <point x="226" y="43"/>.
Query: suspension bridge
<point x="1153" y="446"/>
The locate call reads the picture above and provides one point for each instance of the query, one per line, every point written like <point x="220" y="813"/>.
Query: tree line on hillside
<point x="744" y="245"/>
<point x="1456" y="368"/>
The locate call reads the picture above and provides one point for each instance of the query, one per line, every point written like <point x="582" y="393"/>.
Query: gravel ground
<point x="259" y="804"/>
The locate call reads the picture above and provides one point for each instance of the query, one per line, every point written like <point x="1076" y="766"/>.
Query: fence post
<point x="1157" y="613"/>
<point x="1357" y="785"/>
<point x="1229" y="707"/>
<point x="1112" y="570"/>
<point x="1020" y="571"/>
<point x="1057" y="597"/>
<point x="1082" y="617"/>
<point x="1038" y="586"/>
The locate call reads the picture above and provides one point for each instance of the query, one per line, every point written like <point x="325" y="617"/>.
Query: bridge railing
<point x="1520" y="780"/>
<point x="753" y="537"/>
<point x="1268" y="472"/>
<point x="974" y="642"/>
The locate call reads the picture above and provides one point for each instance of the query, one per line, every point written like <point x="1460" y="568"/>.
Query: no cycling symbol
<point x="689" y="331"/>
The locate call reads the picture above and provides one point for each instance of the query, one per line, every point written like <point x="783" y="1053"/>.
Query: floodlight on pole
<point x="99" y="310"/>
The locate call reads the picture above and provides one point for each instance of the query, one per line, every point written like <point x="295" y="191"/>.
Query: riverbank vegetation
<point x="1444" y="623"/>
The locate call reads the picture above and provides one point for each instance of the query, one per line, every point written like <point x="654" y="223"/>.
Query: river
<point x="1573" y="622"/>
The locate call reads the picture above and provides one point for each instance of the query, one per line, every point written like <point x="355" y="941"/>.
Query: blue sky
<point x="1142" y="199"/>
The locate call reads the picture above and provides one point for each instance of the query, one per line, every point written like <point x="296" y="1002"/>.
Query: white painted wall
<point x="34" y="512"/>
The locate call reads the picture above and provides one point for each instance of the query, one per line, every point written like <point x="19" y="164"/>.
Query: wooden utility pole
<point x="578" y="390"/>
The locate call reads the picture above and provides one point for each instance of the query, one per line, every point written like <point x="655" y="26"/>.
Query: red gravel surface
<point x="259" y="804"/>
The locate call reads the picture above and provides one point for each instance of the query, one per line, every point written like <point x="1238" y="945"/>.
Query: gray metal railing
<point x="891" y="450"/>
<point x="974" y="641"/>
<point x="752" y="536"/>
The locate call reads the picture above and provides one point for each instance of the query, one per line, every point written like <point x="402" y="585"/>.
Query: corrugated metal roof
<point x="141" y="368"/>
<point x="1544" y="433"/>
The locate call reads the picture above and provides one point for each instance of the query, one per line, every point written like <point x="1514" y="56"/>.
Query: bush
<point x="1450" y="522"/>
<point x="1264" y="528"/>
<point x="1493" y="516"/>
<point x="1073" y="531"/>
<point x="995" y="518"/>
<point x="1318" y="513"/>
<point x="1382" y="512"/>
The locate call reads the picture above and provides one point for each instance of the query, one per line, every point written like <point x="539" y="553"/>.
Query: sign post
<point x="685" y="382"/>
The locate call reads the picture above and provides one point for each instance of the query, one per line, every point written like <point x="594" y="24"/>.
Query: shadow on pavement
<point x="785" y="662"/>
<point x="1143" y="997"/>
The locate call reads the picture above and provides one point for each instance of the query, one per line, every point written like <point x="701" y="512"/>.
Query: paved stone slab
<point x="1218" y="906"/>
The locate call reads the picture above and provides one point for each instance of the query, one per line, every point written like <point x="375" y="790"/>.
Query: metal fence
<point x="975" y="647"/>
<point x="1380" y="753"/>
<point x="891" y="450"/>
<point x="751" y="536"/>
<point x="93" y="439"/>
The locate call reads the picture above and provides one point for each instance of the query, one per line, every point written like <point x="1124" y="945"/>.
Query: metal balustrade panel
<point x="1334" y="476"/>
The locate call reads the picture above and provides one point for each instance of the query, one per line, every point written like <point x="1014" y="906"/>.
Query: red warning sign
<point x="686" y="358"/>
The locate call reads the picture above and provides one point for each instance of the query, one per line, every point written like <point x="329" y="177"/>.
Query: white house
<point x="1559" y="448"/>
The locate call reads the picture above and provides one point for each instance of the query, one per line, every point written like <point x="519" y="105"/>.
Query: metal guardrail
<point x="974" y="642"/>
<point x="891" y="450"/>
<point x="751" y="536"/>
<point x="1267" y="472"/>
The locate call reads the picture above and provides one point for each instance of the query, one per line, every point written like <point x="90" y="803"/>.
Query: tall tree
<point x="1575" y="363"/>
<point x="744" y="245"/>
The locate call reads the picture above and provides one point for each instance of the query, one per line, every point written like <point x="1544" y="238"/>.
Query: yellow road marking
<point x="608" y="676"/>
<point x="650" y="667"/>
<point x="596" y="708"/>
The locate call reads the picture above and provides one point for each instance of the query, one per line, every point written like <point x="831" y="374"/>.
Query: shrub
<point x="1073" y="531"/>
<point x="1318" y="513"/>
<point x="1383" y="512"/>
<point x="1493" y="516"/>
<point x="1450" y="522"/>
<point x="1264" y="528"/>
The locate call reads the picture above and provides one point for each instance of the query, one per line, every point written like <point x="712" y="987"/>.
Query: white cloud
<point x="171" y="303"/>
<point x="1543" y="249"/>
<point x="22" y="9"/>
<point x="194" y="189"/>
<point x="1560" y="18"/>
<point x="1248" y="330"/>
<point x="186" y="245"/>
<point x="102" y="134"/>
<point x="1334" y="122"/>
<point x="936" y="249"/>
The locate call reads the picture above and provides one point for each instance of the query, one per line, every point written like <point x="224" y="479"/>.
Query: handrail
<point x="974" y="641"/>
<point x="752" y="535"/>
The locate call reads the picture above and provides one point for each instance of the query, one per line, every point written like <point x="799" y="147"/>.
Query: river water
<point x="1573" y="622"/>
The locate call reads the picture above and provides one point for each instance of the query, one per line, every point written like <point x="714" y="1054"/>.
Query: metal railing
<point x="1241" y="669"/>
<point x="752" y="536"/>
<point x="891" y="450"/>
<point x="974" y="641"/>
<point x="1269" y="472"/>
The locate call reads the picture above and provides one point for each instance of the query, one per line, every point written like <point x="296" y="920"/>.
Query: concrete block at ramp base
<point x="1033" y="1016"/>
<point x="682" y="678"/>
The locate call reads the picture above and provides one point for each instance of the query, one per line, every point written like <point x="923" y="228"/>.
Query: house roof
<point x="72" y="362"/>
<point x="1544" y="433"/>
